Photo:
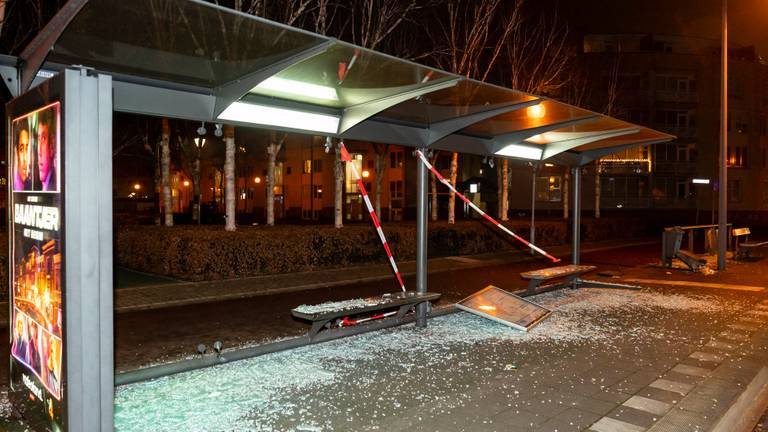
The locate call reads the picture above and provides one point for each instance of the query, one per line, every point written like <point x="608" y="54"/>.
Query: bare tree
<point x="566" y="191"/>
<point x="610" y="109"/>
<point x="433" y="187"/>
<point x="166" y="172"/>
<point x="230" y="195"/>
<point x="504" y="204"/>
<point x="473" y="35"/>
<point x="338" y="177"/>
<point x="379" y="166"/>
<point x="276" y="141"/>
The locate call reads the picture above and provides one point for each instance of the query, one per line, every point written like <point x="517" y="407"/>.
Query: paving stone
<point x="722" y="345"/>
<point x="691" y="370"/>
<point x="682" y="378"/>
<point x="571" y="420"/>
<point x="706" y="356"/>
<point x="743" y="326"/>
<point x="607" y="424"/>
<point x="614" y="396"/>
<point x="660" y="395"/>
<point x="519" y="418"/>
<point x="732" y="335"/>
<point x="705" y="404"/>
<point x="648" y="405"/>
<point x="634" y="416"/>
<point x="680" y="420"/>
<point x="672" y="386"/>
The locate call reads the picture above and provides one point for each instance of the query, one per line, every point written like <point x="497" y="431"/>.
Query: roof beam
<point x="35" y="53"/>
<point x="501" y="141"/>
<point x="558" y="147"/>
<point x="232" y="91"/>
<point x="354" y="115"/>
<point x="440" y="130"/>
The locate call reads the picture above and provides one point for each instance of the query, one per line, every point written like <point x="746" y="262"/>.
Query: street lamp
<point x="199" y="142"/>
<point x="722" y="215"/>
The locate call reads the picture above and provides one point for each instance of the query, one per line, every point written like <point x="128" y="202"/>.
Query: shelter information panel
<point x="501" y="306"/>
<point x="37" y="283"/>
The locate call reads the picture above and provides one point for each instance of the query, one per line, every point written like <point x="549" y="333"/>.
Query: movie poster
<point x="36" y="261"/>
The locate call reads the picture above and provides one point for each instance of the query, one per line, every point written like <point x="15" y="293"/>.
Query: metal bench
<point x="338" y="314"/>
<point x="744" y="249"/>
<point x="569" y="275"/>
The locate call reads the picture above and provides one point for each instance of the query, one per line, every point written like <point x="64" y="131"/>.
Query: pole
<point x="722" y="215"/>
<point x="533" y="209"/>
<point x="576" y="243"/>
<point x="421" y="239"/>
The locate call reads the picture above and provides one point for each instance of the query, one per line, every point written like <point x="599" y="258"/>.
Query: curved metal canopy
<point x="195" y="60"/>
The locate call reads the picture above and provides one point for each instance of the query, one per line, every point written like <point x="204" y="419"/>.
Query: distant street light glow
<point x="704" y="181"/>
<point x="136" y="186"/>
<point x="281" y="117"/>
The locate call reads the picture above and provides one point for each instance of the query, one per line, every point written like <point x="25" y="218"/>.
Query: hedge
<point x="208" y="252"/>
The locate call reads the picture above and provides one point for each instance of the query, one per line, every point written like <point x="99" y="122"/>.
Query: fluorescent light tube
<point x="701" y="181"/>
<point x="299" y="88"/>
<point x="521" y="151"/>
<point x="281" y="117"/>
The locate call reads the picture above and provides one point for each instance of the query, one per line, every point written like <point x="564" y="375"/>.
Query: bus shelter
<point x="193" y="60"/>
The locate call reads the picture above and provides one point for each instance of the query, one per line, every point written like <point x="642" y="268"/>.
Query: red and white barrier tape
<point x="348" y="159"/>
<point x="482" y="213"/>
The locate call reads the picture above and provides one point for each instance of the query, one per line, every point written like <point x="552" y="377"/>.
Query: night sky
<point x="748" y="19"/>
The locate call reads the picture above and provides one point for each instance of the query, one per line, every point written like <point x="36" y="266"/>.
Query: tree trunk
<point x="499" y="192"/>
<point x="273" y="149"/>
<point x="338" y="175"/>
<point x="597" y="192"/>
<point x="159" y="183"/>
<point x="166" y="173"/>
<point x="452" y="196"/>
<point x="433" y="186"/>
<point x="196" y="187"/>
<point x="380" y="164"/>
<point x="230" y="199"/>
<point x="566" y="191"/>
<point x="505" y="190"/>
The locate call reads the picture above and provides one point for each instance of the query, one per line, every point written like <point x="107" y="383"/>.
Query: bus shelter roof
<point x="195" y="60"/>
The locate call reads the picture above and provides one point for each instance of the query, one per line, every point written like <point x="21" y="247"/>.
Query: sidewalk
<point x="604" y="361"/>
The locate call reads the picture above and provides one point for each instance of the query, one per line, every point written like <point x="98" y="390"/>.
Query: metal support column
<point x="576" y="242"/>
<point x="722" y="211"/>
<point x="421" y="238"/>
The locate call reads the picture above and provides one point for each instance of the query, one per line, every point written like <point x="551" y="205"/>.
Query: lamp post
<point x="722" y="212"/>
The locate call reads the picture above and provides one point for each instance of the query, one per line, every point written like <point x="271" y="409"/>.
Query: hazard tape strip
<point x="482" y="213"/>
<point x="348" y="159"/>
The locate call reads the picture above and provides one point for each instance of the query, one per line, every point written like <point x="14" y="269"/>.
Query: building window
<point x="683" y="189"/>
<point x="737" y="157"/>
<point x="396" y="159"/>
<point x="686" y="152"/>
<point x="396" y="189"/>
<point x="278" y="189"/>
<point x="350" y="180"/>
<point x="311" y="166"/>
<point x="549" y="189"/>
<point x="675" y="118"/>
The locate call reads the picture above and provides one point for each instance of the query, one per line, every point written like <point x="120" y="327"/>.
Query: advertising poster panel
<point x="37" y="283"/>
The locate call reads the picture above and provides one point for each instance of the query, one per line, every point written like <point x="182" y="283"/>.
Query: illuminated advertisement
<point x="37" y="286"/>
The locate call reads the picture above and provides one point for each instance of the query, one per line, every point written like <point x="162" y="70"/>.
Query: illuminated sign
<point x="36" y="285"/>
<point x="501" y="306"/>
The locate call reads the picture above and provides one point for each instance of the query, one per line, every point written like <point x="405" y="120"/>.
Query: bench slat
<point x="557" y="272"/>
<point x="377" y="303"/>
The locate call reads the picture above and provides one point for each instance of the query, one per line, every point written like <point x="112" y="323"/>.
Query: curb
<point x="744" y="414"/>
